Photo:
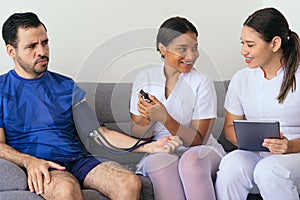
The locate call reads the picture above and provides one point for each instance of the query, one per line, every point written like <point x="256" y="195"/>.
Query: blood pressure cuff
<point x="85" y="120"/>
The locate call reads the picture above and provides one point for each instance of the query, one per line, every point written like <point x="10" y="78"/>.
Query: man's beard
<point x="33" y="69"/>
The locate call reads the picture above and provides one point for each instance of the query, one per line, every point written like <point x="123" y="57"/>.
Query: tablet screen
<point x="251" y="134"/>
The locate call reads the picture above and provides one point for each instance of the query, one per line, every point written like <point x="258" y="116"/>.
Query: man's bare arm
<point x="37" y="169"/>
<point x="9" y="153"/>
<point x="166" y="144"/>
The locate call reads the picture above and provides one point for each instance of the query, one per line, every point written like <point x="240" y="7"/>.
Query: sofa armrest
<point x="12" y="177"/>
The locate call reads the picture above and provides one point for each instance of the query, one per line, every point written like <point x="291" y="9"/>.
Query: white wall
<point x="111" y="40"/>
<point x="290" y="9"/>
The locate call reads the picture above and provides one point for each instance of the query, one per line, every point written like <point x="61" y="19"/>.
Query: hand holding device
<point x="145" y="95"/>
<point x="250" y="134"/>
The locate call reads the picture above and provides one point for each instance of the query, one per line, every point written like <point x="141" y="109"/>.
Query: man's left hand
<point x="167" y="144"/>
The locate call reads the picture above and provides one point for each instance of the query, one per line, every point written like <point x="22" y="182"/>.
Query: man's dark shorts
<point x="80" y="166"/>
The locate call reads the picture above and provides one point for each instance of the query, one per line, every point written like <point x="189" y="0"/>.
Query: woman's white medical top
<point x="192" y="98"/>
<point x="254" y="96"/>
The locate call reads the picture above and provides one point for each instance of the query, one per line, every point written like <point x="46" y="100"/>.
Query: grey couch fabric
<point x="111" y="103"/>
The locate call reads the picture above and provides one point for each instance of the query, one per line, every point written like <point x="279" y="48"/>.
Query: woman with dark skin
<point x="183" y="103"/>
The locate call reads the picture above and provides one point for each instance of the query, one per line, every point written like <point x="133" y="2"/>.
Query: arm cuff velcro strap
<point x="85" y="119"/>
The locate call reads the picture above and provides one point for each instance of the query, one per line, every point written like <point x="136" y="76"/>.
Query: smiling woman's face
<point x="182" y="52"/>
<point x="256" y="51"/>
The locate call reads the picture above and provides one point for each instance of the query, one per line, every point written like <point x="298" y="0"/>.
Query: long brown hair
<point x="269" y="22"/>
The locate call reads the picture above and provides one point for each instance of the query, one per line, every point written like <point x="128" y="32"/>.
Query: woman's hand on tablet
<point x="277" y="146"/>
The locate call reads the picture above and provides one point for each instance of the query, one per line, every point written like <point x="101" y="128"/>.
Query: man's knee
<point x="69" y="186"/>
<point x="130" y="188"/>
<point x="114" y="181"/>
<point x="134" y="183"/>
<point x="63" y="186"/>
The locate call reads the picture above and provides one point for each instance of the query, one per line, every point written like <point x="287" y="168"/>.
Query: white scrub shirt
<point x="254" y="96"/>
<point x="192" y="98"/>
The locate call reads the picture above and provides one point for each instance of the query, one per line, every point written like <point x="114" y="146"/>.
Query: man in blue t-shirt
<point x="37" y="130"/>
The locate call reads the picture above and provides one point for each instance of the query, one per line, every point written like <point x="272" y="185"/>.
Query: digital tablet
<point x="251" y="134"/>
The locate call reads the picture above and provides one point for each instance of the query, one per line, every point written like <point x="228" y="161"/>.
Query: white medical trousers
<point x="277" y="176"/>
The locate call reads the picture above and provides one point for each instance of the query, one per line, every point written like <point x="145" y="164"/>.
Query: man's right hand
<point x="38" y="173"/>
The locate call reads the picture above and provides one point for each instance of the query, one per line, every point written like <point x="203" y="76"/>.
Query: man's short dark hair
<point x="16" y="21"/>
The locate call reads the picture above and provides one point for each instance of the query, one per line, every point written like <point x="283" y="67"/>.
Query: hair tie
<point x="289" y="34"/>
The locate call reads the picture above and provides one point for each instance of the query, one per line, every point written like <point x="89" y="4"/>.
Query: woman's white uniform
<point x="192" y="98"/>
<point x="276" y="175"/>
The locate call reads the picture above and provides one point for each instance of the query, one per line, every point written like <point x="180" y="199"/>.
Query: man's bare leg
<point x="63" y="185"/>
<point x="114" y="181"/>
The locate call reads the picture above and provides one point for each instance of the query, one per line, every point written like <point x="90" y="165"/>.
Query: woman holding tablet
<point x="266" y="90"/>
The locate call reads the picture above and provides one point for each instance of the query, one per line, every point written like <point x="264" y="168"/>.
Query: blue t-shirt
<point x="36" y="115"/>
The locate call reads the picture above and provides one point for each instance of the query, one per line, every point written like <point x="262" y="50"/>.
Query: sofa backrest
<point x="111" y="103"/>
<point x="111" y="100"/>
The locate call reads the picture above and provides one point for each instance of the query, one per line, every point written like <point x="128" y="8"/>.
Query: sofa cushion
<point x="12" y="177"/>
<point x="89" y="194"/>
<point x="19" y="194"/>
<point x="147" y="188"/>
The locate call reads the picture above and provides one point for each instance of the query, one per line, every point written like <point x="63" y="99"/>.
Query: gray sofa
<point x="111" y="103"/>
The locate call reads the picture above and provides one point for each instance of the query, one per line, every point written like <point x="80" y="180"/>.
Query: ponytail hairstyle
<point x="269" y="22"/>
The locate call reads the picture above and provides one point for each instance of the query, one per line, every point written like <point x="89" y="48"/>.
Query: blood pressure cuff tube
<point x="85" y="120"/>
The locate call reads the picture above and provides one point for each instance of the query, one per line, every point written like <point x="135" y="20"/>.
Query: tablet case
<point x="250" y="134"/>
